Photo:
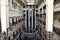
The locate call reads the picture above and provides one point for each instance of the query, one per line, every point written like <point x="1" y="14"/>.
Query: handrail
<point x="3" y="36"/>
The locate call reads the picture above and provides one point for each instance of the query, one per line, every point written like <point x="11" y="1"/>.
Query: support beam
<point x="49" y="15"/>
<point x="4" y="15"/>
<point x="21" y="3"/>
<point x="49" y="18"/>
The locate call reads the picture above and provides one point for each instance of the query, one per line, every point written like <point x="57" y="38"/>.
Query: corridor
<point x="29" y="19"/>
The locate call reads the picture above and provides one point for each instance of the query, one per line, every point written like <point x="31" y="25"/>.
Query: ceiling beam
<point x="39" y="2"/>
<point x="21" y="3"/>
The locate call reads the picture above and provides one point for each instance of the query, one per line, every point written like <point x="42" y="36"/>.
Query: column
<point x="49" y="18"/>
<point x="29" y="19"/>
<point x="32" y="17"/>
<point x="35" y="15"/>
<point x="25" y="20"/>
<point x="4" y="15"/>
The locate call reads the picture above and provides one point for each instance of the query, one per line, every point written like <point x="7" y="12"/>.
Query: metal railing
<point x="3" y="36"/>
<point x="0" y="36"/>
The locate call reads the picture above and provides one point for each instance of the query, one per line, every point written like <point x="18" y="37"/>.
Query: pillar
<point x="49" y="18"/>
<point x="4" y="15"/>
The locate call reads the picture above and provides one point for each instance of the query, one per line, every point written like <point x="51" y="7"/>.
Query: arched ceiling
<point x="25" y="2"/>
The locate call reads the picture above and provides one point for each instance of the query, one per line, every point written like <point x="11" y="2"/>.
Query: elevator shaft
<point x="30" y="22"/>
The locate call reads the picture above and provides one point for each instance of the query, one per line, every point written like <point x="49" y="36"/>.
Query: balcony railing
<point x="3" y="36"/>
<point x="55" y="36"/>
<point x="0" y="36"/>
<point x="57" y="5"/>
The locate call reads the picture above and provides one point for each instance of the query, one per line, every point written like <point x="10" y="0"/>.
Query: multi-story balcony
<point x="57" y="7"/>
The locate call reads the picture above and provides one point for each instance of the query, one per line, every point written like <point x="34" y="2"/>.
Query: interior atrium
<point x="29" y="19"/>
